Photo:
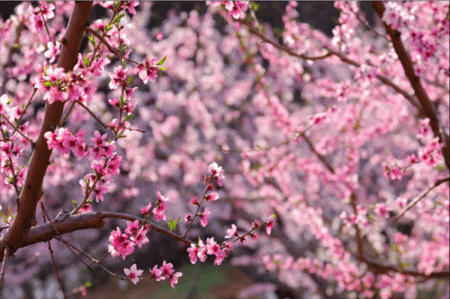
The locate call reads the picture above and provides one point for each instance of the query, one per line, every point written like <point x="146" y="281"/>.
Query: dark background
<point x="319" y="14"/>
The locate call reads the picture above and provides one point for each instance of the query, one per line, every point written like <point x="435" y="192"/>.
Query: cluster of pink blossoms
<point x="160" y="273"/>
<point x="236" y="9"/>
<point x="158" y="211"/>
<point x="123" y="243"/>
<point x="60" y="86"/>
<point x="105" y="162"/>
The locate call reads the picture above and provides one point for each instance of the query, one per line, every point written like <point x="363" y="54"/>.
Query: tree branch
<point x="414" y="80"/>
<point x="418" y="198"/>
<point x="330" y="52"/>
<point x="48" y="231"/>
<point x="32" y="188"/>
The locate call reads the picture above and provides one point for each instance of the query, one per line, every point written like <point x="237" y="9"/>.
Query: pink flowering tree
<point x="212" y="127"/>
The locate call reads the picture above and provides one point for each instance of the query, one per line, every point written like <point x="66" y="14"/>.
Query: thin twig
<point x="21" y="134"/>
<point x="45" y="22"/>
<point x="92" y="113"/>
<point x="282" y="48"/>
<point x="2" y="271"/>
<point x="45" y="216"/>
<point x="418" y="198"/>
<point x="105" y="42"/>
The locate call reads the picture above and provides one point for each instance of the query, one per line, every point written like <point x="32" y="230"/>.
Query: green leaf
<point x="74" y="203"/>
<point x="88" y="284"/>
<point x="91" y="39"/>
<point x="161" y="61"/>
<point x="127" y="117"/>
<point x="173" y="224"/>
<point x="48" y="83"/>
<point x="129" y="79"/>
<point x="119" y="17"/>
<point x="162" y="68"/>
<point x="86" y="61"/>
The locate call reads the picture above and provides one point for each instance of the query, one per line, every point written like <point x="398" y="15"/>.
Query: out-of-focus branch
<point x="418" y="198"/>
<point x="32" y="188"/>
<point x="329" y="53"/>
<point x="415" y="82"/>
<point x="9" y="60"/>
<point x="384" y="269"/>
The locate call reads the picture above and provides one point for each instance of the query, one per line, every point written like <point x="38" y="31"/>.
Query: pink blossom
<point x="269" y="226"/>
<point x="174" y="279"/>
<point x="204" y="217"/>
<point x="133" y="273"/>
<point x="202" y="251"/>
<point x="211" y="196"/>
<point x="99" y="191"/>
<point x="193" y="251"/>
<point x="160" y="197"/>
<point x="53" y="51"/>
<point x="236" y="8"/>
<point x="146" y="209"/>
<point x="231" y="232"/>
<point x="382" y="210"/>
<point x="211" y="246"/>
<point x="120" y="244"/>
<point x="159" y="212"/>
<point x="157" y="273"/>
<point x="118" y="78"/>
<point x="216" y="172"/>
<point x="166" y="269"/>
<point x="85" y="209"/>
<point x="194" y="200"/>
<point x="188" y="218"/>
<point x="147" y="70"/>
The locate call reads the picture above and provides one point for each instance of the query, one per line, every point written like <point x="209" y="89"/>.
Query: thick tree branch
<point x="416" y="84"/>
<point x="46" y="232"/>
<point x="32" y="188"/>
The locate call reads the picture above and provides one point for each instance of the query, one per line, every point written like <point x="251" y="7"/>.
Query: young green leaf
<point x="173" y="224"/>
<point x="161" y="61"/>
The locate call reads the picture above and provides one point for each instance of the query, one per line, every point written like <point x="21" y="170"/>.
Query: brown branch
<point x="92" y="113"/>
<point x="321" y="157"/>
<point x="382" y="78"/>
<point x="330" y="52"/>
<point x="50" y="249"/>
<point x="379" y="268"/>
<point x="418" y="198"/>
<point x="32" y="189"/>
<point x="48" y="231"/>
<point x="415" y="82"/>
<point x="279" y="47"/>
<point x="103" y="41"/>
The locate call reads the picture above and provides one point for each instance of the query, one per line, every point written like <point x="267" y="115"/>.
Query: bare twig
<point x="92" y="113"/>
<point x="45" y="216"/>
<point x="2" y="271"/>
<point x="418" y="198"/>
<point x="282" y="48"/>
